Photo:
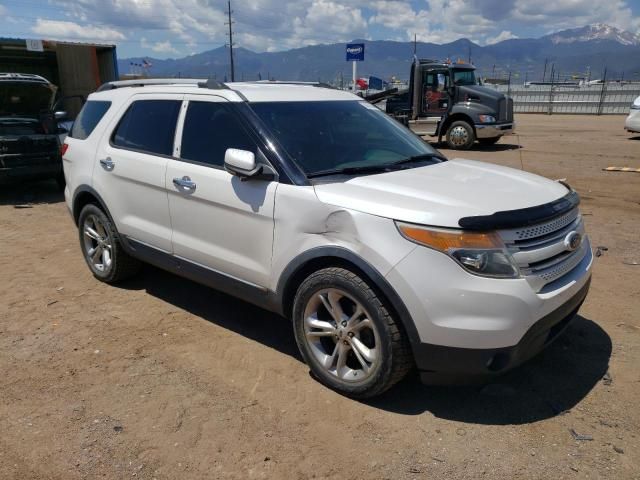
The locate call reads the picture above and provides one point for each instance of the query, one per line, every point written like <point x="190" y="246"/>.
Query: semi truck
<point x="445" y="100"/>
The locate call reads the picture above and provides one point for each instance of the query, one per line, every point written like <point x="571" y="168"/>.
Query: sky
<point x="177" y="28"/>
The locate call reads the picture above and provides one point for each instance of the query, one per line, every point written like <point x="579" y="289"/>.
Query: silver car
<point x="632" y="123"/>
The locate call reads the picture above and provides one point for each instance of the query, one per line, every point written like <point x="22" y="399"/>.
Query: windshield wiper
<point x="350" y="170"/>
<point x="383" y="167"/>
<point x="419" y="158"/>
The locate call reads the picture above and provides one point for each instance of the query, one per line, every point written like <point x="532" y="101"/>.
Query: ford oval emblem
<point x="572" y="241"/>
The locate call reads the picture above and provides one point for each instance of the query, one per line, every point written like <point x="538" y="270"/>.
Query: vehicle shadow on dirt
<point x="553" y="382"/>
<point x="219" y="308"/>
<point x="497" y="147"/>
<point x="546" y="386"/>
<point x="30" y="193"/>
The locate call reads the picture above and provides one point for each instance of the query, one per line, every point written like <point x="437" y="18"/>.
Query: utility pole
<point x="230" y="23"/>
<point x="415" y="44"/>
<point x="544" y="74"/>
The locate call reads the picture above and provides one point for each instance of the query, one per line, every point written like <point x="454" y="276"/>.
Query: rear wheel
<point x="348" y="338"/>
<point x="101" y="247"/>
<point x="488" y="141"/>
<point x="460" y="135"/>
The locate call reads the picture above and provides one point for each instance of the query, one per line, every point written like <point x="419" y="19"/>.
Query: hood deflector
<point x="522" y="217"/>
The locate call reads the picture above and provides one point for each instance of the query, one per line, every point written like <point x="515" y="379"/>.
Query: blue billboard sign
<point x="355" y="52"/>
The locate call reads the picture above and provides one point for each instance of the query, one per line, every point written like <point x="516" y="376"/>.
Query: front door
<point x="131" y="165"/>
<point x="435" y="96"/>
<point x="219" y="221"/>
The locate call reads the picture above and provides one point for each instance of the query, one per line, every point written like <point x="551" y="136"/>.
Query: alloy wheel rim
<point x="459" y="135"/>
<point x="341" y="335"/>
<point x="97" y="244"/>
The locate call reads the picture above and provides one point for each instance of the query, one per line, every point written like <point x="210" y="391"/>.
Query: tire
<point x="110" y="263"/>
<point x="338" y="352"/>
<point x="489" y="141"/>
<point x="460" y="135"/>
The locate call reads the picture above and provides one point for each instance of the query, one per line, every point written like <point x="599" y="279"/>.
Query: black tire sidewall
<point x="92" y="209"/>
<point x="376" y="312"/>
<point x="469" y="129"/>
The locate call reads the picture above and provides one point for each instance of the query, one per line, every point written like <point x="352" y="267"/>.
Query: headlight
<point x="487" y="118"/>
<point x="479" y="253"/>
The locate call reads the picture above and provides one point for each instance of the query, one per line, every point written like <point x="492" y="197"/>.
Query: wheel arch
<point x="324" y="257"/>
<point x="83" y="196"/>
<point x="454" y="117"/>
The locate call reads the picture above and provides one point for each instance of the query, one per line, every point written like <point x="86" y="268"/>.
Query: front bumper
<point x="494" y="130"/>
<point x="446" y="365"/>
<point x="26" y="172"/>
<point x="632" y="122"/>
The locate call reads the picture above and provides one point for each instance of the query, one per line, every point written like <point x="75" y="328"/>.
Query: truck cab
<point x="446" y="100"/>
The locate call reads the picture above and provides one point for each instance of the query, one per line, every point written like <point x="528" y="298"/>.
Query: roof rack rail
<point x="212" y="84"/>
<point x="29" y="77"/>
<point x="149" y="81"/>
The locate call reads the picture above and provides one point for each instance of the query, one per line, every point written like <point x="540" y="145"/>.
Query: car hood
<point x="441" y="194"/>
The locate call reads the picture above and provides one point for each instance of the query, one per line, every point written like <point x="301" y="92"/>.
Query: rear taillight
<point x="63" y="149"/>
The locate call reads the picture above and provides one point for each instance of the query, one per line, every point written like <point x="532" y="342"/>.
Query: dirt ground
<point x="162" y="378"/>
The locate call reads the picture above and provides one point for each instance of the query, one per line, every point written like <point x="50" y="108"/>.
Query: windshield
<point x="464" y="77"/>
<point x="332" y="135"/>
<point x="25" y="98"/>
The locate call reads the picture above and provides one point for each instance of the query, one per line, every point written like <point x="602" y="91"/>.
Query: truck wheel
<point x="101" y="247"/>
<point x="347" y="337"/>
<point x="460" y="135"/>
<point x="489" y="141"/>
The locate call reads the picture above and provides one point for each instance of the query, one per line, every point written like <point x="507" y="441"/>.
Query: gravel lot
<point x="162" y="378"/>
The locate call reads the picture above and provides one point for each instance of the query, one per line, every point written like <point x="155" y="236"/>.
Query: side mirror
<point x="242" y="163"/>
<point x="60" y="115"/>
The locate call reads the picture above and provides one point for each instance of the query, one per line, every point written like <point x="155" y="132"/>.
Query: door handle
<point x="107" y="163"/>
<point x="185" y="183"/>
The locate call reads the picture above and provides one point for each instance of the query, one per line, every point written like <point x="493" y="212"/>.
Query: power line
<point x="230" y="23"/>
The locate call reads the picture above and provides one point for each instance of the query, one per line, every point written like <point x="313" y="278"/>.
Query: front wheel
<point x="460" y="136"/>
<point x="347" y="336"/>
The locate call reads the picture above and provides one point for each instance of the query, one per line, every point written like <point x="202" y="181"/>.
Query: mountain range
<point x="584" y="51"/>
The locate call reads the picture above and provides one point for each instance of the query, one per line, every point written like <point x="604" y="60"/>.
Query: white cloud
<point x="158" y="47"/>
<point x="63" y="29"/>
<point x="503" y="35"/>
<point x="267" y="25"/>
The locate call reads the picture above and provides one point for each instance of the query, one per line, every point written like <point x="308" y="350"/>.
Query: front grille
<point x="505" y="110"/>
<point x="28" y="145"/>
<point x="540" y="250"/>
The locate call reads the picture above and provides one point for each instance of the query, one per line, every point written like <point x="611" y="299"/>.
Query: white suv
<point x="312" y="203"/>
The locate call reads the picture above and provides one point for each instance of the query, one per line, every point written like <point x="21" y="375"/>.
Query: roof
<point x="426" y="61"/>
<point x="51" y="44"/>
<point x="235" y="92"/>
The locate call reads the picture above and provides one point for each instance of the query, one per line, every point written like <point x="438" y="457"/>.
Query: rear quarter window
<point x="88" y="118"/>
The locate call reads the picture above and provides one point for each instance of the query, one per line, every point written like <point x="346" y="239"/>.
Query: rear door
<point x="219" y="222"/>
<point x="131" y="165"/>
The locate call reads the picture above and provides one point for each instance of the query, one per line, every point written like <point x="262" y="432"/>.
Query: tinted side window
<point x="88" y="118"/>
<point x="148" y="126"/>
<point x="209" y="129"/>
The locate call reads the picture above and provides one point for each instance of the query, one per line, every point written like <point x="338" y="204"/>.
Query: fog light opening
<point x="498" y="362"/>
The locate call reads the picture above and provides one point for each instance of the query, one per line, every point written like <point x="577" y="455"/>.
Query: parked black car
<point x="29" y="130"/>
